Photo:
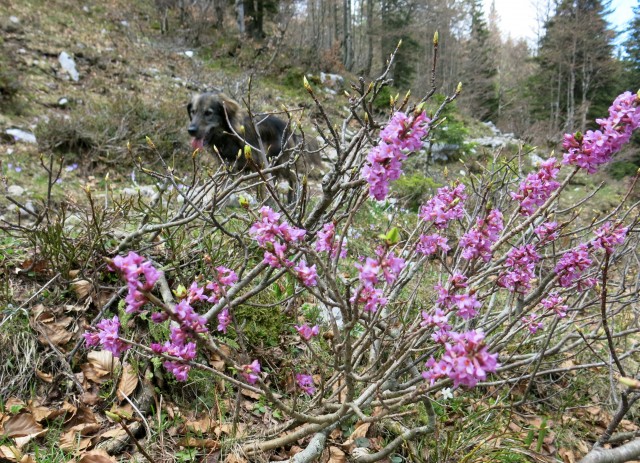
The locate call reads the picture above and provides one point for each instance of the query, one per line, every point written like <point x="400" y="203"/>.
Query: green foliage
<point x="632" y="47"/>
<point x="262" y="326"/>
<point x="105" y="129"/>
<point x="620" y="169"/>
<point x="413" y="189"/>
<point x="9" y="81"/>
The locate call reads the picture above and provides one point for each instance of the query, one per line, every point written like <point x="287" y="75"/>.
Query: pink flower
<point x="572" y="264"/>
<point x="556" y="303"/>
<point x="132" y="268"/>
<point x="532" y="323"/>
<point x="521" y="264"/>
<point x="370" y="297"/>
<point x="226" y="276"/>
<point x="547" y="232"/>
<point x="251" y="372"/>
<point x="446" y="206"/>
<point x="177" y="347"/>
<point x="390" y="264"/>
<point x="467" y="305"/>
<point x="224" y="320"/>
<point x="466" y="360"/>
<point x="107" y="335"/>
<point x="537" y="187"/>
<point x="368" y="273"/>
<point x="307" y="332"/>
<point x="223" y="280"/>
<point x="306" y="274"/>
<point x="274" y="237"/>
<point x="305" y="382"/>
<point x="608" y="236"/>
<point x="477" y="242"/>
<point x="596" y="147"/>
<point x="328" y="241"/>
<point x="429" y="244"/>
<point x="384" y="161"/>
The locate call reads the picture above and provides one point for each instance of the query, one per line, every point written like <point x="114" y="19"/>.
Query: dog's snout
<point x="193" y="130"/>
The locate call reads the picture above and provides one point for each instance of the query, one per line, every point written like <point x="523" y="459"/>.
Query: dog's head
<point x="209" y="114"/>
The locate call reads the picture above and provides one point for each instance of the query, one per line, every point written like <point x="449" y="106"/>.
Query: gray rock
<point x="69" y="66"/>
<point x="15" y="190"/>
<point x="21" y="135"/>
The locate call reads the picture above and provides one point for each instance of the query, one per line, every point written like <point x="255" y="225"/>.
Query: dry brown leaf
<point x="360" y="431"/>
<point x="39" y="412"/>
<point x="51" y="327"/>
<point x="201" y="425"/>
<point x="567" y="456"/>
<point x="250" y="394"/>
<point x="70" y="442"/>
<point x="199" y="443"/>
<point x="115" y="433"/>
<point x="294" y="450"/>
<point x="128" y="382"/>
<point x="231" y="458"/>
<point x="10" y="453"/>
<point x="82" y="288"/>
<point x="13" y="402"/>
<point x="27" y="459"/>
<point x="103" y="359"/>
<point x="99" y="366"/>
<point x="336" y="455"/>
<point x="97" y="456"/>
<point x="23" y="424"/>
<point x="46" y="377"/>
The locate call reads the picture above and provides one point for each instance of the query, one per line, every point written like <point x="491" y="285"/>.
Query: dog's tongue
<point x="197" y="143"/>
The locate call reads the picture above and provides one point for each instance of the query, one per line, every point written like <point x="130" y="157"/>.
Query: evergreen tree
<point x="577" y="71"/>
<point x="632" y="47"/>
<point x="480" y="68"/>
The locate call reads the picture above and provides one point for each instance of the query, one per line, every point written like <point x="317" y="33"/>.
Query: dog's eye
<point x="208" y="112"/>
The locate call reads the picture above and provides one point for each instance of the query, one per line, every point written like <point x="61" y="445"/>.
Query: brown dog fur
<point x="219" y="122"/>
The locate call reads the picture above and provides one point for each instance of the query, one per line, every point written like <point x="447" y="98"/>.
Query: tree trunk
<point x="369" y="60"/>
<point x="239" y="6"/>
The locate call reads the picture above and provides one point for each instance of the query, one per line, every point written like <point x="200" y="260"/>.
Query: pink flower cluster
<point x="328" y="241"/>
<point x="384" y="163"/>
<point x="251" y="372"/>
<point x="274" y="237"/>
<point x="477" y="242"/>
<point x="177" y="346"/>
<point x="467" y="304"/>
<point x="429" y="244"/>
<point x="596" y="147"/>
<point x="547" y="232"/>
<point x="521" y="263"/>
<point x="133" y="267"/>
<point x="305" y="382"/>
<point x="107" y="335"/>
<point x="306" y="332"/>
<point x="466" y="360"/>
<point x="445" y="206"/>
<point x="532" y="322"/>
<point x="386" y="266"/>
<point x="608" y="236"/>
<point x="537" y="187"/>
<point x="306" y="274"/>
<point x="553" y="302"/>
<point x="572" y="264"/>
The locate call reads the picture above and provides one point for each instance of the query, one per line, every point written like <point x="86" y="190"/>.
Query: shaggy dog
<point x="219" y="122"/>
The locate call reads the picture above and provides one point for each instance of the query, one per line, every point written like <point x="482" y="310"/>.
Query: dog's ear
<point x="231" y="107"/>
<point x="189" y="108"/>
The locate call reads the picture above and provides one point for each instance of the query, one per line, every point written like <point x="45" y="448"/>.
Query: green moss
<point x="413" y="189"/>
<point x="262" y="326"/>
